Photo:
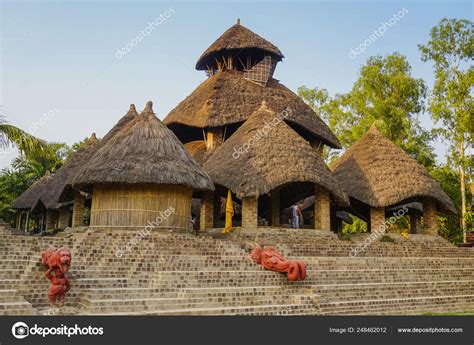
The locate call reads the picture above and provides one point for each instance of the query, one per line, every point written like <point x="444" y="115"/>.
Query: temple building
<point x="269" y="166"/>
<point x="142" y="174"/>
<point x="380" y="179"/>
<point x="240" y="66"/>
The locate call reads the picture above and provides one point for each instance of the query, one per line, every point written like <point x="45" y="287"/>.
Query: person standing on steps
<point x="296" y="216"/>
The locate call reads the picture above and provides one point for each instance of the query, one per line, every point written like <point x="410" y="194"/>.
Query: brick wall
<point x="322" y="205"/>
<point x="430" y="218"/>
<point x="377" y="219"/>
<point x="249" y="212"/>
<point x="78" y="209"/>
<point x="206" y="218"/>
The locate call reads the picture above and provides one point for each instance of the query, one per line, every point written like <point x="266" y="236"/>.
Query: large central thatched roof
<point x="377" y="172"/>
<point x="277" y="158"/>
<point x="144" y="151"/>
<point x="227" y="98"/>
<point x="236" y="38"/>
<point x="31" y="196"/>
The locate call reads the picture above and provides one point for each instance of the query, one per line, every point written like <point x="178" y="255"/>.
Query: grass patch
<point x="386" y="238"/>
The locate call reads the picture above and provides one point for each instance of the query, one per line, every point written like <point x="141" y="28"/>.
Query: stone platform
<point x="171" y="273"/>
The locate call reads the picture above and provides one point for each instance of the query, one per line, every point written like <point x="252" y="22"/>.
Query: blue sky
<point x="60" y="57"/>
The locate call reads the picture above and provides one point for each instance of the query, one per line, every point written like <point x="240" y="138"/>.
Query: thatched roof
<point x="65" y="175"/>
<point x="197" y="149"/>
<point x="227" y="98"/>
<point x="144" y="151"/>
<point x="236" y="38"/>
<point x="377" y="172"/>
<point x="275" y="159"/>
<point x="30" y="197"/>
<point x="57" y="189"/>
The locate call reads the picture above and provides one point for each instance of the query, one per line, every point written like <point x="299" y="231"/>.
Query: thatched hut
<point x="142" y="176"/>
<point x="240" y="66"/>
<point x="378" y="175"/>
<point x="269" y="166"/>
<point x="29" y="202"/>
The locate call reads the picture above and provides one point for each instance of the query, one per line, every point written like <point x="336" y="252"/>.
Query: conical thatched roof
<point x="235" y="38"/>
<point x="64" y="191"/>
<point x="59" y="186"/>
<point x="144" y="151"/>
<point x="377" y="172"/>
<point x="30" y="197"/>
<point x="227" y="98"/>
<point x="277" y="158"/>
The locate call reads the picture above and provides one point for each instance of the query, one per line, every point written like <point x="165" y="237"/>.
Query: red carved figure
<point x="58" y="262"/>
<point x="271" y="259"/>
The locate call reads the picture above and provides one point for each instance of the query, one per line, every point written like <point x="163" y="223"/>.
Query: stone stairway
<point x="184" y="274"/>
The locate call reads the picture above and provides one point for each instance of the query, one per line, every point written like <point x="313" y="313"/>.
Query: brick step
<point x="386" y="306"/>
<point x="270" y="309"/>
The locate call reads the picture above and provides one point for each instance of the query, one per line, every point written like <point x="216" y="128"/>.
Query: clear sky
<point x="60" y="58"/>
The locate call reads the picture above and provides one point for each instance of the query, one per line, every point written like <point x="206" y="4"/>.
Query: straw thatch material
<point x="63" y="182"/>
<point x="235" y="38"/>
<point x="278" y="158"/>
<point x="31" y="196"/>
<point x="197" y="149"/>
<point x="377" y="172"/>
<point x="227" y="98"/>
<point x="144" y="151"/>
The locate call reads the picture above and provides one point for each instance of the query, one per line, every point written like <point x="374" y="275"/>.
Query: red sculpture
<point x="271" y="259"/>
<point x="58" y="262"/>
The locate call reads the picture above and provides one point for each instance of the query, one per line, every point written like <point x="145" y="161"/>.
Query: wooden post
<point x="27" y="219"/>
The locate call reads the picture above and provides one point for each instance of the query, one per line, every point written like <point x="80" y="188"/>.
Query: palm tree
<point x="28" y="144"/>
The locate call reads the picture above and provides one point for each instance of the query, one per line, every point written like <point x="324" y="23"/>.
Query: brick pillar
<point x="51" y="217"/>
<point x="377" y="219"/>
<point x="63" y="217"/>
<point x="206" y="217"/>
<point x="275" y="207"/>
<point x="430" y="218"/>
<point x="78" y="209"/>
<point x="322" y="207"/>
<point x="249" y="212"/>
<point x="415" y="224"/>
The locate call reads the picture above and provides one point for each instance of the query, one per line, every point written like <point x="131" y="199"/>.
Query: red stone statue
<point x="58" y="262"/>
<point x="271" y="259"/>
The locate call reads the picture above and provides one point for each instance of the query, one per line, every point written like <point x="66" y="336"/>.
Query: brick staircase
<point x="184" y="274"/>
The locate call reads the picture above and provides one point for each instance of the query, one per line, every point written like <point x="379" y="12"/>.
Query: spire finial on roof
<point x="238" y="21"/>
<point x="93" y="136"/>
<point x="148" y="107"/>
<point x="132" y="107"/>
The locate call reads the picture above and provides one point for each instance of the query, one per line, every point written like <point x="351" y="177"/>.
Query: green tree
<point x="26" y="143"/>
<point x="451" y="49"/>
<point x="385" y="93"/>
